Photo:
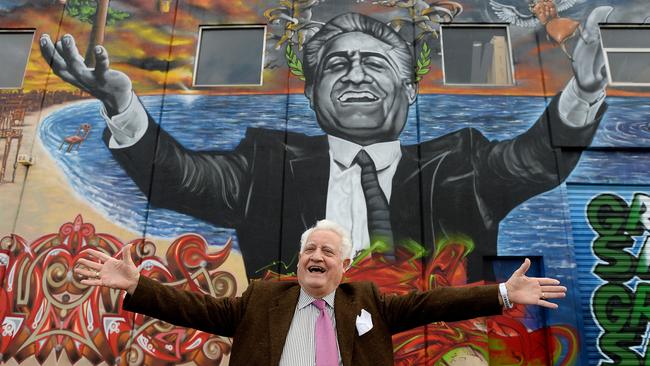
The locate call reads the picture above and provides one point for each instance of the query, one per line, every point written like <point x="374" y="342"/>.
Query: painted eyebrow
<point x="345" y="55"/>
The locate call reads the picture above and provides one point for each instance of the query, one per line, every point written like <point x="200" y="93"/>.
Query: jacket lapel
<point x="345" y="312"/>
<point x="280" y="317"/>
<point x="310" y="175"/>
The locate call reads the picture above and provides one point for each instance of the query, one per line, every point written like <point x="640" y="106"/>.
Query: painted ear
<point x="309" y="93"/>
<point x="411" y="91"/>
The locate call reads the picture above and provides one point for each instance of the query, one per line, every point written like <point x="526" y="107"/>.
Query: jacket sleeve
<point x="440" y="304"/>
<point x="511" y="171"/>
<point x="211" y="185"/>
<point x="187" y="309"/>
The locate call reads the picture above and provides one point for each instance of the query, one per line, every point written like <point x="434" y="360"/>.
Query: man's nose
<point x="317" y="255"/>
<point x="357" y="74"/>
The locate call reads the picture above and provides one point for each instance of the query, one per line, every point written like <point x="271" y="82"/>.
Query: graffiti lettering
<point x="621" y="310"/>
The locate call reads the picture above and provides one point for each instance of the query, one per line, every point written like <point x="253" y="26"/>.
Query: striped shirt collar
<point x="306" y="299"/>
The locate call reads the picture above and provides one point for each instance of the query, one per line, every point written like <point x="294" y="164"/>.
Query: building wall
<point x="486" y="185"/>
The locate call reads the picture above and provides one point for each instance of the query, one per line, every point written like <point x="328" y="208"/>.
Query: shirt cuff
<point x="503" y="291"/>
<point x="578" y="108"/>
<point x="127" y="127"/>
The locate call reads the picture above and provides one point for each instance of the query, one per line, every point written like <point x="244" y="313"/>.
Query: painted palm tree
<point x="99" y="14"/>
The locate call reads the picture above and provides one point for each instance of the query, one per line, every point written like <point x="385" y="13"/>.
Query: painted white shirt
<point x="346" y="203"/>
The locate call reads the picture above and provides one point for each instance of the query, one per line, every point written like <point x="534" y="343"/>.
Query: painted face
<point x="320" y="267"/>
<point x="358" y="93"/>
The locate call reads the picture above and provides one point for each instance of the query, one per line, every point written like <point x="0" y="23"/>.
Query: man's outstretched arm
<point x="460" y="303"/>
<point x="149" y="297"/>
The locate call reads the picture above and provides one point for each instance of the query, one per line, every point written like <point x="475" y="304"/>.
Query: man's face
<point x="320" y="267"/>
<point x="358" y="93"/>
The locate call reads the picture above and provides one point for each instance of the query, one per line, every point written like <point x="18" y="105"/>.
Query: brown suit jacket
<point x="259" y="320"/>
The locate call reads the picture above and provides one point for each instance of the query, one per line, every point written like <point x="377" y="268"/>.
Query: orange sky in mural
<point x="146" y="38"/>
<point x="235" y="8"/>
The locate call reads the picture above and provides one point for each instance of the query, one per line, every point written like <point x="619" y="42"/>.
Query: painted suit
<point x="273" y="185"/>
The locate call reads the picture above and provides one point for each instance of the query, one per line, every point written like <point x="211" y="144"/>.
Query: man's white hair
<point x="346" y="242"/>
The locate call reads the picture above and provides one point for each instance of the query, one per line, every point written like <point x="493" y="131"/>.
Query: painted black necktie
<point x="379" y="226"/>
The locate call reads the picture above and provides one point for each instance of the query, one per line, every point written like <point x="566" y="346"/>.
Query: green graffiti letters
<point x="621" y="312"/>
<point x="619" y="265"/>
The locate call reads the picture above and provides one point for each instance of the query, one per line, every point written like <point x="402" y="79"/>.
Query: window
<point x="627" y="54"/>
<point x="16" y="45"/>
<point x="229" y="55"/>
<point x="476" y="54"/>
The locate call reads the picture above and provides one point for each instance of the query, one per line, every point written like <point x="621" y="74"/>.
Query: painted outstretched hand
<point x="111" y="87"/>
<point x="588" y="59"/>
<point x="108" y="271"/>
<point x="533" y="290"/>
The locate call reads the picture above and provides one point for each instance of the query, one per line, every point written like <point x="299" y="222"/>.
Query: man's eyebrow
<point x="325" y="245"/>
<point x="345" y="54"/>
<point x="375" y="54"/>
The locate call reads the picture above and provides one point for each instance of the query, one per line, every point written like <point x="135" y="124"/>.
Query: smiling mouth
<point x="316" y="269"/>
<point x="358" y="97"/>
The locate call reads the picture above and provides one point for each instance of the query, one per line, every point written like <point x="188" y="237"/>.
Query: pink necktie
<point x="326" y="352"/>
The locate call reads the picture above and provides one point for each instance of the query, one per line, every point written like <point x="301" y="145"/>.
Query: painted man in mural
<point x="360" y="83"/>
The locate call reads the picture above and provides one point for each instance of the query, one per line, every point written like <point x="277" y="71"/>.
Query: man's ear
<point x="346" y="264"/>
<point x="309" y="93"/>
<point x="411" y="91"/>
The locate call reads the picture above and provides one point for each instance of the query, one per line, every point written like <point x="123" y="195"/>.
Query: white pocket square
<point x="364" y="322"/>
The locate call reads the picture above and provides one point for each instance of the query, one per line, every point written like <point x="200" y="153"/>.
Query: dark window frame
<point x="29" y="54"/>
<point x="615" y="50"/>
<point x="506" y="26"/>
<point x="228" y="27"/>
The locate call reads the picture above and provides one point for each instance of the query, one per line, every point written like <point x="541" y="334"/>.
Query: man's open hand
<point x="533" y="290"/>
<point x="588" y="59"/>
<point x="111" y="87"/>
<point x="108" y="271"/>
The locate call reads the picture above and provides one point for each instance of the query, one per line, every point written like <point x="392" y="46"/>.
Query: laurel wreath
<point x="422" y="68"/>
<point x="424" y="62"/>
<point x="294" y="63"/>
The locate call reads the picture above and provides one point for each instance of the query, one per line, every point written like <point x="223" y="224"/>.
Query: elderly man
<point x="318" y="320"/>
<point x="359" y="81"/>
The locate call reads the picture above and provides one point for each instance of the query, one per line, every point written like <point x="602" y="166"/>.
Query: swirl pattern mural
<point x="45" y="308"/>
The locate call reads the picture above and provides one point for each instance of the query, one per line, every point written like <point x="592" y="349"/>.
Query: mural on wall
<point x="359" y="80"/>
<point x="45" y="310"/>
<point x="12" y="115"/>
<point x="617" y="223"/>
<point x="559" y="29"/>
<point x="459" y="178"/>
